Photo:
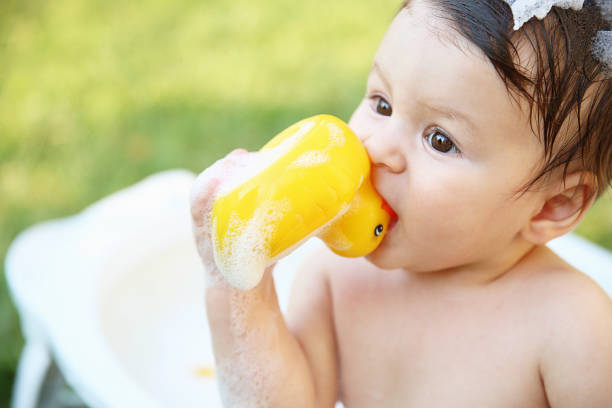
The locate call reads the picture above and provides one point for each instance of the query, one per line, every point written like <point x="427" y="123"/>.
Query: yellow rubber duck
<point x="312" y="179"/>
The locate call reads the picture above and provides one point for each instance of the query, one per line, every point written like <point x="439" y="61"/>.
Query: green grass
<point x="95" y="96"/>
<point x="597" y="225"/>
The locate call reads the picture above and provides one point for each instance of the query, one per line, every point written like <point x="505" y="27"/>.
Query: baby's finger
<point x="206" y="184"/>
<point x="238" y="152"/>
<point x="202" y="194"/>
<point x="237" y="160"/>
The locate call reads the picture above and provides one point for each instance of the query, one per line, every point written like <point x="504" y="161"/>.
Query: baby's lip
<point x="393" y="216"/>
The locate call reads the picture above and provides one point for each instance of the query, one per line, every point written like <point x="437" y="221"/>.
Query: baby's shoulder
<point x="574" y="317"/>
<point x="560" y="296"/>
<point x="572" y="312"/>
<point x="562" y="291"/>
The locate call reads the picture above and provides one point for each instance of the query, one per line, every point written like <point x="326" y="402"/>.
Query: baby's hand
<point x="202" y="198"/>
<point x="258" y="360"/>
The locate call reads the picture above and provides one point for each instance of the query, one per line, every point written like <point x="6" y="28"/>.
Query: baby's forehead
<point x="422" y="54"/>
<point x="438" y="23"/>
<point x="431" y="69"/>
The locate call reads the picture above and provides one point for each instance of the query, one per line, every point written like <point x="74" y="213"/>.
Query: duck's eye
<point x="383" y="107"/>
<point x="378" y="230"/>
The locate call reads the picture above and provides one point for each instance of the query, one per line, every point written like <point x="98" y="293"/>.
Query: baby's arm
<point x="576" y="366"/>
<point x="310" y="319"/>
<point x="260" y="362"/>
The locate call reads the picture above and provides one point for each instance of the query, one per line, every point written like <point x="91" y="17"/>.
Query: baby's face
<point x="449" y="147"/>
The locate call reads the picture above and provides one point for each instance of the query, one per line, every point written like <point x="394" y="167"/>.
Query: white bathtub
<point x="114" y="298"/>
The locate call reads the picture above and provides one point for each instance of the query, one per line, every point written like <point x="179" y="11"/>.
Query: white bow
<point x="602" y="50"/>
<point x="524" y="10"/>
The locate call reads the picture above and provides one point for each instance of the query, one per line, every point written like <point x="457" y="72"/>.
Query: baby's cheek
<point x="448" y="216"/>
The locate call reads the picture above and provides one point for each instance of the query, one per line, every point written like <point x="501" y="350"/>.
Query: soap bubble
<point x="606" y="8"/>
<point x="310" y="158"/>
<point x="602" y="50"/>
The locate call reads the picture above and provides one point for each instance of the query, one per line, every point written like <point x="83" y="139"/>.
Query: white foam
<point x="244" y="254"/>
<point x="606" y="8"/>
<point x="239" y="378"/>
<point x="247" y="375"/>
<point x="524" y="10"/>
<point x="241" y="383"/>
<point x="336" y="135"/>
<point x="602" y="50"/>
<point x="258" y="162"/>
<point x="310" y="158"/>
<point x="201" y="201"/>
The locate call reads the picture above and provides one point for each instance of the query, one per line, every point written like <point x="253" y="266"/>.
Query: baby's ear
<point x="564" y="207"/>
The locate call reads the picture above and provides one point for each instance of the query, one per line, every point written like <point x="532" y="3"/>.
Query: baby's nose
<point x="384" y="151"/>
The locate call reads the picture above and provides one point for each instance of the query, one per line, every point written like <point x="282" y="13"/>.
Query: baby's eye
<point x="382" y="106"/>
<point x="441" y="142"/>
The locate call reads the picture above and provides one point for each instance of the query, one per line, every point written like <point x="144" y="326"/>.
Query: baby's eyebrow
<point x="450" y="113"/>
<point x="441" y="109"/>
<point x="376" y="68"/>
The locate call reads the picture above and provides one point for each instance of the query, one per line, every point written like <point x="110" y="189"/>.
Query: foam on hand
<point x="311" y="179"/>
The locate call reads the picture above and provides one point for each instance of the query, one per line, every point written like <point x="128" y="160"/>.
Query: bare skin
<point x="409" y="340"/>
<point x="461" y="305"/>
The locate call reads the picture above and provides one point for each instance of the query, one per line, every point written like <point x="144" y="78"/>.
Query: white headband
<point x="524" y="10"/>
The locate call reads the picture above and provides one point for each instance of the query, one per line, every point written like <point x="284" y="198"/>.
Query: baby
<point x="488" y="138"/>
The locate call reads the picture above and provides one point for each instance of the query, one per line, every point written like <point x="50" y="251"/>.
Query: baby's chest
<point x="435" y="354"/>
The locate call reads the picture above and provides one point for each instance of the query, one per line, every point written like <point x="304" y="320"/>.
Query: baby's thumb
<point x="237" y="152"/>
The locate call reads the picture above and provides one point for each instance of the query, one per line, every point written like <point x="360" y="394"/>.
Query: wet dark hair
<point x="566" y="84"/>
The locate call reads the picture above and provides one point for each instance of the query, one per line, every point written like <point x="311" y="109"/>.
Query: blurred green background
<point x="96" y="95"/>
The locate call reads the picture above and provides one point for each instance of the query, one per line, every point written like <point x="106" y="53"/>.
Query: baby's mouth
<point x="393" y="216"/>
